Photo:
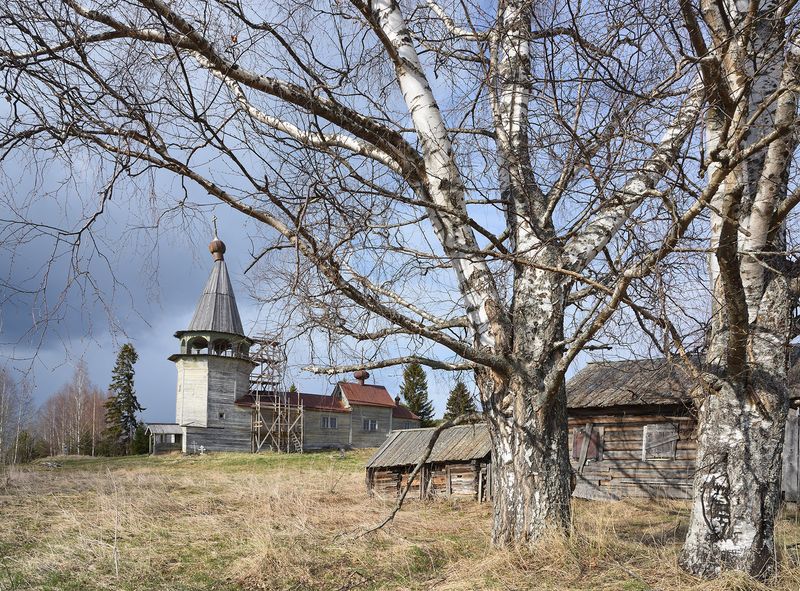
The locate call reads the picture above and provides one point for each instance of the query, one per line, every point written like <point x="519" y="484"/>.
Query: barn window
<point x="222" y="415"/>
<point x="593" y="443"/>
<point x="328" y="422"/>
<point x="370" y="425"/>
<point x="659" y="442"/>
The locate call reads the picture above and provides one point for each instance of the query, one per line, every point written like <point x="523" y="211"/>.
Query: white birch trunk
<point x="736" y="492"/>
<point x="444" y="183"/>
<point x="532" y="469"/>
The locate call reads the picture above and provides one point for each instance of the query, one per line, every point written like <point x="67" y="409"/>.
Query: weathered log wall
<point x="619" y="469"/>
<point x="791" y="458"/>
<point x="467" y="480"/>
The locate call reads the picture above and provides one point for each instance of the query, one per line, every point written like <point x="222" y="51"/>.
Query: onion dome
<point x="361" y="375"/>
<point x="217" y="249"/>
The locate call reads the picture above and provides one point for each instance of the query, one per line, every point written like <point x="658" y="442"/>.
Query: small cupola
<point x="361" y="376"/>
<point x="217" y="248"/>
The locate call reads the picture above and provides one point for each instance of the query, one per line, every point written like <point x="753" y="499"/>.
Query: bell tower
<point x="214" y="367"/>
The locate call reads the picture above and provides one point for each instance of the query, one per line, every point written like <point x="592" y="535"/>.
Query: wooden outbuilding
<point x="632" y="430"/>
<point x="164" y="437"/>
<point x="632" y="433"/>
<point x="459" y="465"/>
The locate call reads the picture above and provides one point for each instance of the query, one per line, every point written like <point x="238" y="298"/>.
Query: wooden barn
<point x="633" y="431"/>
<point x="632" y="434"/>
<point x="459" y="465"/>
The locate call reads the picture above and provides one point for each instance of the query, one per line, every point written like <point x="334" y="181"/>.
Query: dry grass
<point x="278" y="523"/>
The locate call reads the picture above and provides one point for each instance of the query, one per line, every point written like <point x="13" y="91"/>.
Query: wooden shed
<point x="164" y="437"/>
<point x="632" y="434"/>
<point x="458" y="465"/>
<point x="633" y="431"/>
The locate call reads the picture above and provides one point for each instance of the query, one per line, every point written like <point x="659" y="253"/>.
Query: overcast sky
<point x="141" y="285"/>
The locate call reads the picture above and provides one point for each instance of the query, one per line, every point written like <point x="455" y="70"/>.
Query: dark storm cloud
<point x="136" y="281"/>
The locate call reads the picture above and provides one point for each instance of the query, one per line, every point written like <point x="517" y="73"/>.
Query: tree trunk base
<point x="736" y="486"/>
<point x="531" y="476"/>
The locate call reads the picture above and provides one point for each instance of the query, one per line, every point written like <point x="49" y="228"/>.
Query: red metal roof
<point x="310" y="401"/>
<point x="401" y="412"/>
<point x="356" y="394"/>
<point x="366" y="394"/>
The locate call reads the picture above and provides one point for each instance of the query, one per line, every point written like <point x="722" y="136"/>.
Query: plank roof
<point x="631" y="382"/>
<point x="405" y="447"/>
<point x="216" y="310"/>
<point x="164" y="428"/>
<point x="660" y="382"/>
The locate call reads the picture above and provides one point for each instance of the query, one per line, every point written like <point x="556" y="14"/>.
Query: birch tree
<point x="71" y="419"/>
<point x="750" y="66"/>
<point x="478" y="185"/>
<point x="9" y="392"/>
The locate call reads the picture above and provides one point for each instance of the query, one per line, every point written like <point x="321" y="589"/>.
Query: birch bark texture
<point x="476" y="186"/>
<point x="751" y="73"/>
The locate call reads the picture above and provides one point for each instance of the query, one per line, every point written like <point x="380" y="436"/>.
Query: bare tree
<point x="72" y="419"/>
<point x="480" y="188"/>
<point x="9" y="398"/>
<point x="24" y="422"/>
<point x="750" y="65"/>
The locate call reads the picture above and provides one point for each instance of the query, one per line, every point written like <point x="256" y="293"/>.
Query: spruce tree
<point x="415" y="392"/>
<point x="459" y="402"/>
<point x="122" y="405"/>
<point x="140" y="444"/>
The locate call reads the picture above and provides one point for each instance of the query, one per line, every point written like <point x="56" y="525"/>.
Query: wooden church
<point x="222" y="404"/>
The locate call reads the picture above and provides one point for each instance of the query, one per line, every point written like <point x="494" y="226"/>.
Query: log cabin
<point x="632" y="433"/>
<point x="633" y="430"/>
<point x="459" y="464"/>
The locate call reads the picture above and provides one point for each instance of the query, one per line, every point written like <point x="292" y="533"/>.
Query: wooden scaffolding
<point x="277" y="417"/>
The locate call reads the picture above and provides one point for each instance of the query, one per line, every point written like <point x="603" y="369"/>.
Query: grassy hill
<point x="278" y="522"/>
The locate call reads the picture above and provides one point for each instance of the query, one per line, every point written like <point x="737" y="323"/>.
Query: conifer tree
<point x="140" y="444"/>
<point x="415" y="392"/>
<point x="122" y="405"/>
<point x="459" y="402"/>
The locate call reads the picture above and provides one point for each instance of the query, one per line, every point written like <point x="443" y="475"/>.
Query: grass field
<point x="292" y="522"/>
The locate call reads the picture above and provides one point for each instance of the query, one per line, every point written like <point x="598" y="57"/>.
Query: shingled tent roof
<point x="634" y="382"/>
<point x="217" y="311"/>
<point x="463" y="443"/>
